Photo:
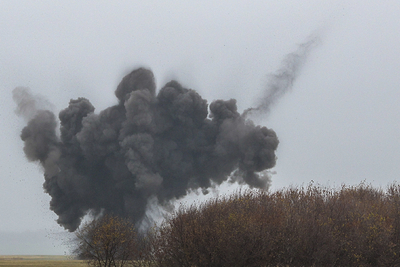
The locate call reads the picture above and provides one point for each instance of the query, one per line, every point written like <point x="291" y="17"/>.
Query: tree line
<point x="295" y="226"/>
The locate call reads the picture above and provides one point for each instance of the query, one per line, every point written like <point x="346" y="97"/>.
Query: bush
<point x="312" y="226"/>
<point x="110" y="241"/>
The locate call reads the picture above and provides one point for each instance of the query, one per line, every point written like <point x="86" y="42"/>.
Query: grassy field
<point x="45" y="261"/>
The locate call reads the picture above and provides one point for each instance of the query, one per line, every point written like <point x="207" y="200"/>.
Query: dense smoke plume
<point x="148" y="146"/>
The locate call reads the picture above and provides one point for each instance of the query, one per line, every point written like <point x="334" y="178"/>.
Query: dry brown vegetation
<point x="296" y="226"/>
<point x="311" y="226"/>
<point x="110" y="241"/>
<point x="105" y="242"/>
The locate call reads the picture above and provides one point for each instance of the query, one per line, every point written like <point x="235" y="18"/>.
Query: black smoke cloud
<point x="148" y="145"/>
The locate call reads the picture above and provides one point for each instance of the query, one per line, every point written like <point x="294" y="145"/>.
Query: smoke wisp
<point x="280" y="82"/>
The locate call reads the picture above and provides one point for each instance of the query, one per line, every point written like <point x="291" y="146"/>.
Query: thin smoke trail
<point x="280" y="82"/>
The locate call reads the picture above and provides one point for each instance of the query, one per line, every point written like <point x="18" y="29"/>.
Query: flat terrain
<point x="45" y="261"/>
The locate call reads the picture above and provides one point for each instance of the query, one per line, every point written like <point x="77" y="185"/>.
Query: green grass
<point x="45" y="261"/>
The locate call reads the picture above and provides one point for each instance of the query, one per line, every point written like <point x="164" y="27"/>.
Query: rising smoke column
<point x="149" y="145"/>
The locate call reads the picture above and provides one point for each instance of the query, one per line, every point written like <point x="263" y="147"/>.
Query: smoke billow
<point x="148" y="146"/>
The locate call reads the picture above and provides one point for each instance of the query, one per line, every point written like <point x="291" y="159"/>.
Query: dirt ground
<point x="45" y="261"/>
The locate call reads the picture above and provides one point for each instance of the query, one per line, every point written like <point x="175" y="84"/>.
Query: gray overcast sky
<point x="339" y="123"/>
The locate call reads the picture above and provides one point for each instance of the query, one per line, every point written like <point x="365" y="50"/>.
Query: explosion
<point x="149" y="145"/>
